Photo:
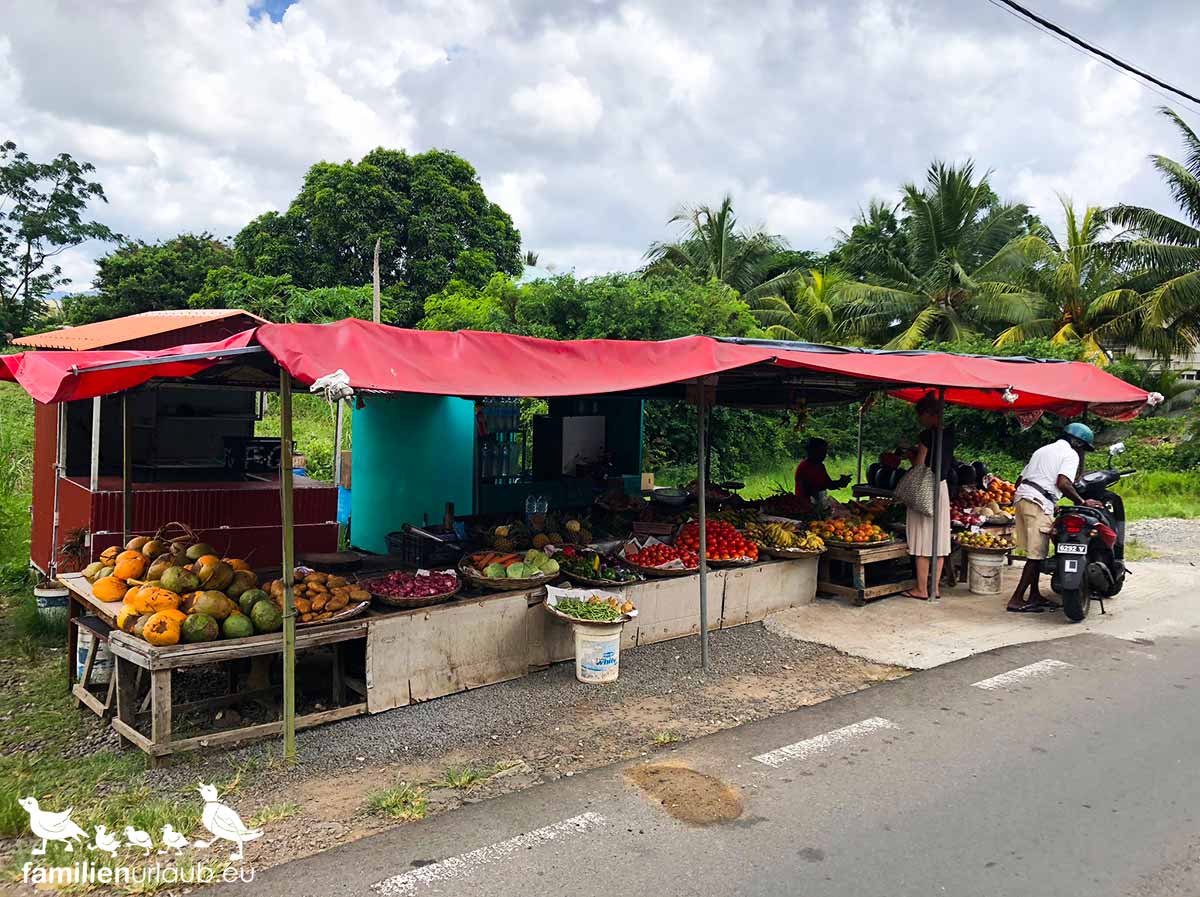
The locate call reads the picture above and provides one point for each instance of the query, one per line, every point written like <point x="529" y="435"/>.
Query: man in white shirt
<point x="1049" y="475"/>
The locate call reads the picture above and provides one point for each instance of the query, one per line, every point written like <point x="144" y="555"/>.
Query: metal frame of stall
<point x="799" y="379"/>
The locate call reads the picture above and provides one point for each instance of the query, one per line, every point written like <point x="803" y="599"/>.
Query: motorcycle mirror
<point x="1116" y="448"/>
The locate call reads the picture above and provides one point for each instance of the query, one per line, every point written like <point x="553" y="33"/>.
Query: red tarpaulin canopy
<point x="64" y="376"/>
<point x="467" y="363"/>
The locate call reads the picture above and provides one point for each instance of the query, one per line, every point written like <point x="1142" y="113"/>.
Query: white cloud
<point x="590" y="123"/>
<point x="564" y="106"/>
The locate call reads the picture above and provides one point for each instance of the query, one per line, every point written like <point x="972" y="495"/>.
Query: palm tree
<point x="712" y="248"/>
<point x="810" y="314"/>
<point x="1168" y="317"/>
<point x="1083" y="294"/>
<point x="953" y="280"/>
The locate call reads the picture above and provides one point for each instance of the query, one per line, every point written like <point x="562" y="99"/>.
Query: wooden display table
<point x="862" y="490"/>
<point x="859" y="592"/>
<point x="138" y="665"/>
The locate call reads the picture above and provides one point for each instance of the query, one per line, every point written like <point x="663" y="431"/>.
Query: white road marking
<point x="804" y="749"/>
<point x="1020" y="674"/>
<point x="467" y="863"/>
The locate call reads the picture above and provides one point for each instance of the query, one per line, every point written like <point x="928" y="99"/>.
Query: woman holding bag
<point x="920" y="526"/>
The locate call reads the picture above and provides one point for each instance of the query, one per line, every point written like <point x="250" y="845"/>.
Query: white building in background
<point x="1187" y="364"/>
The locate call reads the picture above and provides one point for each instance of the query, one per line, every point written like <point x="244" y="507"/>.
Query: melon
<point x="213" y="604"/>
<point x="237" y="626"/>
<point x="179" y="580"/>
<point x="249" y="598"/>
<point x="266" y="617"/>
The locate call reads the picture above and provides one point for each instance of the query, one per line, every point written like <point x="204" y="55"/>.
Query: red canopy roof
<point x="64" y="376"/>
<point x="467" y="363"/>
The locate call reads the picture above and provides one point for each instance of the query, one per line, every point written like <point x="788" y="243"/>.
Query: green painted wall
<point x="412" y="454"/>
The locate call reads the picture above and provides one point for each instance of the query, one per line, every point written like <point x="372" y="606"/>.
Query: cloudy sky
<point x="590" y="122"/>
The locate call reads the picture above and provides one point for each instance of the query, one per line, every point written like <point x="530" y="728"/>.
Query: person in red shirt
<point x="812" y="479"/>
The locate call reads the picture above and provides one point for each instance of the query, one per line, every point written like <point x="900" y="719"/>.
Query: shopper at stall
<point x="919" y="527"/>
<point x="812" y="479"/>
<point x="1049" y="475"/>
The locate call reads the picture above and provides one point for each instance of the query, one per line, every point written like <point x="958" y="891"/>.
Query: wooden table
<point x="858" y="591"/>
<point x="138" y="664"/>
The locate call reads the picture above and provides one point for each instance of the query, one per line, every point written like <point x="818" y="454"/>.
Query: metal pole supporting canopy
<point x="289" y="564"/>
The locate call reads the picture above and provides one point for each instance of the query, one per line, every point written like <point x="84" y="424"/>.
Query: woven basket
<point x="409" y="603"/>
<point x="789" y="554"/>
<point x="503" y="585"/>
<point x="346" y="613"/>
<point x="659" y="572"/>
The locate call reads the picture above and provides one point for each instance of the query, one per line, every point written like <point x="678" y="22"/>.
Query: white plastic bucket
<point x="101" y="666"/>
<point x="597" y="652"/>
<point x="51" y="602"/>
<point x="983" y="573"/>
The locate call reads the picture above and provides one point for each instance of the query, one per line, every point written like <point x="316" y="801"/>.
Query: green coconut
<point x="237" y="626"/>
<point x="199" y="628"/>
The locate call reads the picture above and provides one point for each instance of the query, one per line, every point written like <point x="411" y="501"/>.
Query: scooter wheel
<point x="1076" y="603"/>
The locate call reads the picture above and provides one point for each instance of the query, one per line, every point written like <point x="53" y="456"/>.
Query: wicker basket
<point x="346" y="613"/>
<point x="789" y="554"/>
<point x="409" y="603"/>
<point x="503" y="585"/>
<point x="861" y="546"/>
<point x="740" y="562"/>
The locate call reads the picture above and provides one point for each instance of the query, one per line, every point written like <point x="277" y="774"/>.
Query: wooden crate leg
<point x="858" y="572"/>
<point x="127" y="676"/>
<point x="72" y="640"/>
<point x="86" y="678"/>
<point x="160" y="708"/>
<point x="338" y="677"/>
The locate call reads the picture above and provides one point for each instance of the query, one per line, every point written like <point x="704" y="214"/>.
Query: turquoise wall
<point x="412" y="454"/>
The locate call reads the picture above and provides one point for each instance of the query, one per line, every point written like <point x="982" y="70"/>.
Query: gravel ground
<point x="538" y="728"/>
<point x="1172" y="538"/>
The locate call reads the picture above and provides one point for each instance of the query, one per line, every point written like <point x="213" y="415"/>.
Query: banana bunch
<point x="784" y="536"/>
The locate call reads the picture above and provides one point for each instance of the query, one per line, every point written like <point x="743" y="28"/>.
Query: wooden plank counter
<point x="137" y="664"/>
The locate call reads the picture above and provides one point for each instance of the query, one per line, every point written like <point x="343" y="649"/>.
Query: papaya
<point x="213" y="604"/>
<point x="162" y="629"/>
<point x="199" y="628"/>
<point x="109" y="588"/>
<point x="127" y="616"/>
<point x="130" y="565"/>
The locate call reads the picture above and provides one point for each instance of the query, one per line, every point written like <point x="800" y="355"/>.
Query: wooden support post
<point x="94" y="480"/>
<point x="128" y="676"/>
<point x="702" y="480"/>
<point x="934" y="585"/>
<point x="289" y="564"/>
<point x="126" y="470"/>
<point x="160" y="707"/>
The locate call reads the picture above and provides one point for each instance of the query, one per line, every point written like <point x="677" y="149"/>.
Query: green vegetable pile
<point x="599" y="611"/>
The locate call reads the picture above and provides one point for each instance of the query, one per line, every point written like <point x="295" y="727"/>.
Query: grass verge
<point x="400" y="802"/>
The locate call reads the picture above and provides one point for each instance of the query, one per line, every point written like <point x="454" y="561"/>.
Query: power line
<point x="1110" y="59"/>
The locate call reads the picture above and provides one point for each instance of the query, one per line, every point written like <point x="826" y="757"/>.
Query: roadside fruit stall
<point x="418" y="637"/>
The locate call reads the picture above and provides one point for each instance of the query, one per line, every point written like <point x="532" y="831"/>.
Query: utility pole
<point x="375" y="279"/>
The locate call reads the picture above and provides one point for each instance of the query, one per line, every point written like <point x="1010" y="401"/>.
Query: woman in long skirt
<point x="919" y="526"/>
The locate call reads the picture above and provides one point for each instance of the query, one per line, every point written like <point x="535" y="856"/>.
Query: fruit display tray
<point x="660" y="572"/>
<point x="410" y="603"/>
<point x="346" y="613"/>
<point x="790" y="554"/>
<point x="467" y="574"/>
<point x="861" y="546"/>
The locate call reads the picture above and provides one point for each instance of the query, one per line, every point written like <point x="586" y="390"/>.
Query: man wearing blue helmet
<point x="1049" y="475"/>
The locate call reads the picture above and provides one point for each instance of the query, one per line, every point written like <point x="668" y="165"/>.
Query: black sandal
<point x="1030" y="608"/>
<point x="1048" y="604"/>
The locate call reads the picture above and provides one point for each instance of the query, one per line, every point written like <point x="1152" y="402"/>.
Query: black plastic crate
<point x="419" y="551"/>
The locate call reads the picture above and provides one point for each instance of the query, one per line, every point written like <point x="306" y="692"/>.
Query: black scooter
<point x="1089" y="544"/>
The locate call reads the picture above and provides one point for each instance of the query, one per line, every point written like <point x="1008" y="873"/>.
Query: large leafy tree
<point x="876" y="234"/>
<point x="139" y="277"/>
<point x="1168" y="317"/>
<point x="809" y="310"/>
<point x="277" y="299"/>
<point x="1082" y="292"/>
<point x="428" y="211"/>
<point x="952" y="280"/>
<point x="713" y="247"/>
<point x="43" y="211"/>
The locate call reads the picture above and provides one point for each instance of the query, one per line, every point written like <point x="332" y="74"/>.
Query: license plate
<point x="1071" y="549"/>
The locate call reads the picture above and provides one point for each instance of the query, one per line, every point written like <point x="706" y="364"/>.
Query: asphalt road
<point x="1075" y="775"/>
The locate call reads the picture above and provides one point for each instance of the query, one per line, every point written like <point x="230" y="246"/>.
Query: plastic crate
<point x="418" y="551"/>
